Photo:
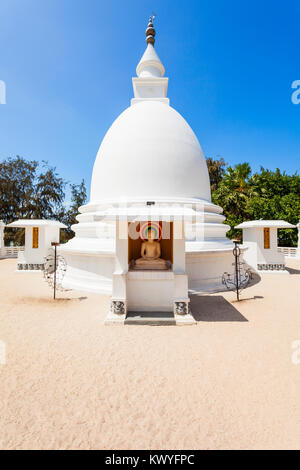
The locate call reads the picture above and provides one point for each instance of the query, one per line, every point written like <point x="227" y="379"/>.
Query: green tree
<point x="17" y="178"/>
<point x="263" y="195"/>
<point x="78" y="198"/>
<point x="278" y="198"/>
<point x="27" y="192"/>
<point x="233" y="195"/>
<point x="49" y="194"/>
<point x="216" y="170"/>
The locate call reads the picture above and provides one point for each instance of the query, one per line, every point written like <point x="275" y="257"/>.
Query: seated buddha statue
<point x="150" y="254"/>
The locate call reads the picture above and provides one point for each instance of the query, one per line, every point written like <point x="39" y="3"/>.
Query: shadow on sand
<point x="292" y="270"/>
<point x="214" y="308"/>
<point x="46" y="300"/>
<point x="255" y="279"/>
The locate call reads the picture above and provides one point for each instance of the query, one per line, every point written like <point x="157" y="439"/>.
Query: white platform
<point x="150" y="319"/>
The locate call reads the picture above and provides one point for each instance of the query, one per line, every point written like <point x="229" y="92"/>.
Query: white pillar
<point x="181" y="299"/>
<point x="298" y="249"/>
<point x="118" y="304"/>
<point x="178" y="247"/>
<point x="2" y="226"/>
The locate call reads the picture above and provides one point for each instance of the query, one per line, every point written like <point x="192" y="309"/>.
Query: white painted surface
<point x="265" y="224"/>
<point x="253" y="240"/>
<point x="154" y="294"/>
<point x="150" y="83"/>
<point x="149" y="153"/>
<point x="89" y="273"/>
<point x="150" y="64"/>
<point x="10" y="251"/>
<point x="205" y="269"/>
<point x="48" y="232"/>
<point x="298" y="249"/>
<point x="2" y="227"/>
<point x="288" y="252"/>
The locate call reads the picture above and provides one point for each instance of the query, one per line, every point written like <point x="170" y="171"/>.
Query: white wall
<point x="205" y="269"/>
<point x="30" y="255"/>
<point x="1" y="235"/>
<point x="253" y="239"/>
<point x="89" y="273"/>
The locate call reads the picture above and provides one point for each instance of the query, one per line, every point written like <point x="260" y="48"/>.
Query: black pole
<point x="237" y="273"/>
<point x="236" y="252"/>
<point x="55" y="244"/>
<point x="54" y="293"/>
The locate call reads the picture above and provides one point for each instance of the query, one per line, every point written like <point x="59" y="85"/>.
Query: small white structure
<point x="2" y="227"/>
<point x="260" y="239"/>
<point x="39" y="234"/>
<point x="298" y="249"/>
<point x="7" y="251"/>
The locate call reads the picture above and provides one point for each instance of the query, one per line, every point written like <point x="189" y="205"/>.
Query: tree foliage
<point x="29" y="190"/>
<point x="32" y="190"/>
<point x="216" y="170"/>
<point x="265" y="194"/>
<point x="78" y="198"/>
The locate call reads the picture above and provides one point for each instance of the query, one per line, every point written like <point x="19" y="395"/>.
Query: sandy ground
<point x="70" y="382"/>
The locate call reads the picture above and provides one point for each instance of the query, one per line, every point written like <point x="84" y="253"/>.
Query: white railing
<point x="10" y="251"/>
<point x="288" y="251"/>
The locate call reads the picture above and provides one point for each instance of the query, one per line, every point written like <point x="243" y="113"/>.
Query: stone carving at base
<point x="118" y="307"/>
<point x="271" y="267"/>
<point x="181" y="308"/>
<point x="30" y="267"/>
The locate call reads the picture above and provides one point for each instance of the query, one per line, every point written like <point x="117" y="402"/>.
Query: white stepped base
<point x="150" y="319"/>
<point x="182" y="320"/>
<point x="113" y="319"/>
<point x="283" y="271"/>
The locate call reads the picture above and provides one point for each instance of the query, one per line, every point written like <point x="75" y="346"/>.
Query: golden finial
<point x="150" y="31"/>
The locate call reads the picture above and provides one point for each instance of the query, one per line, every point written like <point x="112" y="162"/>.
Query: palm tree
<point x="234" y="191"/>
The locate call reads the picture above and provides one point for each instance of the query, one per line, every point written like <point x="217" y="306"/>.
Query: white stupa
<point x="150" y="166"/>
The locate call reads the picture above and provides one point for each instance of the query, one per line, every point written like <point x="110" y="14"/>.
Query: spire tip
<point x="150" y="31"/>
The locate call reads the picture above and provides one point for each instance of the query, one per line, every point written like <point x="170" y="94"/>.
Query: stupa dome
<point x="149" y="155"/>
<point x="150" y="152"/>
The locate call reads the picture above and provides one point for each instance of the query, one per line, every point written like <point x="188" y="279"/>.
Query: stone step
<point x="150" y="318"/>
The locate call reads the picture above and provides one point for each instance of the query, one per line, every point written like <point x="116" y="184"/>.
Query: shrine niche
<point x="150" y="245"/>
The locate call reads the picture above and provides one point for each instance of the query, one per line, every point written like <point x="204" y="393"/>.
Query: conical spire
<point x="150" y="83"/>
<point x="150" y="32"/>
<point x="150" y="64"/>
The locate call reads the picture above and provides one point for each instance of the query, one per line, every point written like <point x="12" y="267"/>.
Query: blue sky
<point x="67" y="65"/>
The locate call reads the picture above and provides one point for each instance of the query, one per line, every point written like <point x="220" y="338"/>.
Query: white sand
<point x="72" y="383"/>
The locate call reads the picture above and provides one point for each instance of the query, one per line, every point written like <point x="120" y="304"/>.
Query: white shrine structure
<point x="39" y="234"/>
<point x="298" y="249"/>
<point x="150" y="172"/>
<point x="2" y="227"/>
<point x="260" y="238"/>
